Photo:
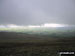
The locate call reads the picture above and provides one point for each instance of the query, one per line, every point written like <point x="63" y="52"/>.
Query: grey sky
<point x="26" y="12"/>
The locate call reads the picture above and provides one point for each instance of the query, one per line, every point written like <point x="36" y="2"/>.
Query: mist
<point x="35" y="12"/>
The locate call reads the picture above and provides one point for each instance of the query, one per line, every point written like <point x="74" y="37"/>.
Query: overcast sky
<point x="27" y="12"/>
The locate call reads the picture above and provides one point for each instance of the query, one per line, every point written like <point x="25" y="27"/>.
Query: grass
<point x="36" y="43"/>
<point x="36" y="48"/>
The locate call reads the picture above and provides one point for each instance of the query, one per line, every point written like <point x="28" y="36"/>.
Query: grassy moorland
<point x="36" y="43"/>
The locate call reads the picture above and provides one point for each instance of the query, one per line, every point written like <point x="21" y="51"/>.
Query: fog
<point x="34" y="12"/>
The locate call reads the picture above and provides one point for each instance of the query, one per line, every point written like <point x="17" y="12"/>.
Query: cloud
<point x="33" y="26"/>
<point x="25" y="12"/>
